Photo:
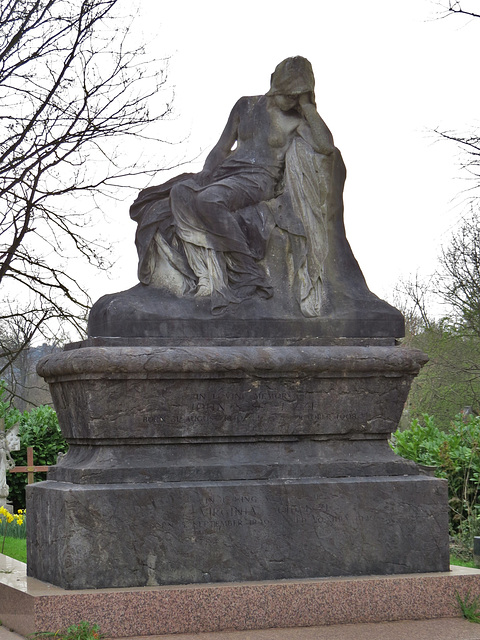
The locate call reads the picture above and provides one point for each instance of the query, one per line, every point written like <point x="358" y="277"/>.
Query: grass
<point x="460" y="562"/>
<point x="469" y="606"/>
<point x="15" y="548"/>
<point x="82" y="631"/>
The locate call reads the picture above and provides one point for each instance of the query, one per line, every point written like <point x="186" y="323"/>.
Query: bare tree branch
<point x="455" y="6"/>
<point x="458" y="279"/>
<point x="73" y="90"/>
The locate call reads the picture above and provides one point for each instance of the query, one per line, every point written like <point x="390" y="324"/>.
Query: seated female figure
<point x="210" y="242"/>
<point x="261" y="128"/>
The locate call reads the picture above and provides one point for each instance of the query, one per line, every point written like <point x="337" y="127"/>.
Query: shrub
<point x="456" y="456"/>
<point x="39" y="429"/>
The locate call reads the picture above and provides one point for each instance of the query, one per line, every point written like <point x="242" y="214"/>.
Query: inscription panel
<point x="218" y="512"/>
<point x="314" y="406"/>
<point x="234" y="407"/>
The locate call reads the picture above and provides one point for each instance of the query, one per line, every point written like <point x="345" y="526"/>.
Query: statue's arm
<point x="228" y="138"/>
<point x="313" y="129"/>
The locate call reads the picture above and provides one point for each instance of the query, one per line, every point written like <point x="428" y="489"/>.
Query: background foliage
<point x="450" y="381"/>
<point x="455" y="454"/>
<point x="39" y="429"/>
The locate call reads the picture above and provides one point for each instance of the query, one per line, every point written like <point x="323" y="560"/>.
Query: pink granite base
<point x="28" y="605"/>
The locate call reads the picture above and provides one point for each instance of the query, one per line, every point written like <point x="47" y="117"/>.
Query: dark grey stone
<point x="151" y="312"/>
<point x="180" y="533"/>
<point x="159" y="393"/>
<point x="192" y="464"/>
<point x="476" y="551"/>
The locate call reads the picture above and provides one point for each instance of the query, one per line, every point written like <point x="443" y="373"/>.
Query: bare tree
<point x="459" y="273"/>
<point x="458" y="281"/>
<point x="18" y="361"/>
<point x="72" y="90"/>
<point x="451" y="378"/>
<point x="412" y="297"/>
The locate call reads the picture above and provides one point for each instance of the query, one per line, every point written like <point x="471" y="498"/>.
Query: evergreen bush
<point x="455" y="454"/>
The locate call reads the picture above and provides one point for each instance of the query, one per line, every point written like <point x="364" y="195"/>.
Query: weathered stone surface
<point x="221" y="413"/>
<point x="226" y="463"/>
<point x="161" y="392"/>
<point x="290" y="458"/>
<point x="152" y="312"/>
<point x="179" y="533"/>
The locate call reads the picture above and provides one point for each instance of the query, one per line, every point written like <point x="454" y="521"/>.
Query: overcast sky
<point x="387" y="74"/>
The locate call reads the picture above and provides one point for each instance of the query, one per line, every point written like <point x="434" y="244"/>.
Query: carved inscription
<point x="238" y="406"/>
<point x="235" y="511"/>
<point x="216" y="513"/>
<point x="227" y="402"/>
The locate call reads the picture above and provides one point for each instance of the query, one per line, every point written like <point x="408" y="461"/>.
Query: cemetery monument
<point x="228" y="417"/>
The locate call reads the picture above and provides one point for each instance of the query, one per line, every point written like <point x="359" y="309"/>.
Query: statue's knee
<point x="178" y="191"/>
<point x="208" y="199"/>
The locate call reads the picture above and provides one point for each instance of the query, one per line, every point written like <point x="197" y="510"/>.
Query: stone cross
<point x="9" y="441"/>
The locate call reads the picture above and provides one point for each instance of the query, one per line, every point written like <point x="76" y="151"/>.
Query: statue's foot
<point x="203" y="290"/>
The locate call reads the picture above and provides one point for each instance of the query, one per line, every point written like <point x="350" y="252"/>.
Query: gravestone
<point x="228" y="417"/>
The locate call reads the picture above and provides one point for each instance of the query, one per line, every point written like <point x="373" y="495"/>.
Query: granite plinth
<point x="213" y="464"/>
<point x="28" y="605"/>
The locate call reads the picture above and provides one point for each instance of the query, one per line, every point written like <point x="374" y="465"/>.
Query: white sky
<point x="387" y="74"/>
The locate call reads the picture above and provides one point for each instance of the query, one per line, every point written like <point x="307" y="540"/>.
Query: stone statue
<point x="9" y="441"/>
<point x="261" y="223"/>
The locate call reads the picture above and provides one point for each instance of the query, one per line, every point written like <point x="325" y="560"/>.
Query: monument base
<point x="125" y="535"/>
<point x="218" y="464"/>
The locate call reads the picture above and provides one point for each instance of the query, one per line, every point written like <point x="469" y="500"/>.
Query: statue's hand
<point x="305" y="99"/>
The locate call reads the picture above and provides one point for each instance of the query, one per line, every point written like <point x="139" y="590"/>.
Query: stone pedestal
<point x="214" y="464"/>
